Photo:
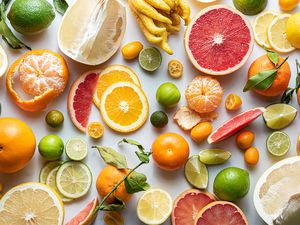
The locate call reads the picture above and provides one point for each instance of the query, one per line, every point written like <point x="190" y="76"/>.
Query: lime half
<point x="196" y="172"/>
<point x="46" y="170"/>
<point x="278" y="143"/>
<point x="76" y="148"/>
<point x="214" y="156"/>
<point x="150" y="59"/>
<point x="278" y="116"/>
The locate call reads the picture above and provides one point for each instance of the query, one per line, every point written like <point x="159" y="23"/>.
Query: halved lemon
<point x="124" y="107"/>
<point x="3" y="61"/>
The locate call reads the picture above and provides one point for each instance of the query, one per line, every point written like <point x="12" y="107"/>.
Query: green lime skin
<point x="29" y="17"/>
<point x="231" y="184"/>
<point x="159" y="119"/>
<point x="250" y="7"/>
<point x="54" y="118"/>
<point x="51" y="147"/>
<point x="168" y="95"/>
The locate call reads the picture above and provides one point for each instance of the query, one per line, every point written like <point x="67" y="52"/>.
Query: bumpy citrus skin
<point x="250" y="7"/>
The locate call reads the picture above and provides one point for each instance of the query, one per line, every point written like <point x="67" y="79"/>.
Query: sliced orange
<point x="95" y="130"/>
<point x="124" y="107"/>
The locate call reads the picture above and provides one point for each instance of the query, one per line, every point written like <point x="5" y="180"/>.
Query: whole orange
<point x="281" y="81"/>
<point x="17" y="145"/>
<point x="170" y="151"/>
<point x="106" y="181"/>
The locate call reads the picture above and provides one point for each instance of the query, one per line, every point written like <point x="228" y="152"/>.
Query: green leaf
<point x="259" y="78"/>
<point x="287" y="95"/>
<point x="112" y="157"/>
<point x="132" y="142"/>
<point x="136" y="182"/>
<point x="266" y="83"/>
<point x="143" y="156"/>
<point x="117" y="205"/>
<point x="60" y="6"/>
<point x="273" y="56"/>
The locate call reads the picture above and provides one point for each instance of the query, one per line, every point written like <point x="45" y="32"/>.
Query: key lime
<point x="54" y="118"/>
<point x="278" y="143"/>
<point x="250" y="7"/>
<point x="150" y="59"/>
<point x="159" y="119"/>
<point x="76" y="148"/>
<point x="51" y="147"/>
<point x="196" y="172"/>
<point x="214" y="156"/>
<point x="46" y="170"/>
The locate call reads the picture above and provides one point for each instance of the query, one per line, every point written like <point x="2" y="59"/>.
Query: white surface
<point x="174" y="182"/>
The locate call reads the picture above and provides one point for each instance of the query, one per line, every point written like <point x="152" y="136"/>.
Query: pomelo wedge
<point x="235" y="124"/>
<point x="219" y="40"/>
<point x="188" y="204"/>
<point x="80" y="98"/>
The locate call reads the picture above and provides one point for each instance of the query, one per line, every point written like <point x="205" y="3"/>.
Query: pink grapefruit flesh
<point x="187" y="206"/>
<point x="219" y="40"/>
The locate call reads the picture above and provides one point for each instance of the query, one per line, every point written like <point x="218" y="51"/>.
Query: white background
<point x="173" y="182"/>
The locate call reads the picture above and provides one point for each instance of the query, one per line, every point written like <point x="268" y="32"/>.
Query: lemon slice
<point x="31" y="203"/>
<point x="3" y="61"/>
<point x="154" y="207"/>
<point x="277" y="36"/>
<point x="260" y="27"/>
<point x="47" y="169"/>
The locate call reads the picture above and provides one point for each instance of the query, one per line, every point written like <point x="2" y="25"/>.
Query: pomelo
<point x="219" y="40"/>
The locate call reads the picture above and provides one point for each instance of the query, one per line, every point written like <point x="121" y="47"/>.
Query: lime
<point x="51" y="147"/>
<point x="196" y="172"/>
<point x="168" y="95"/>
<point x="76" y="148"/>
<point x="150" y="59"/>
<point x="250" y="7"/>
<point x="278" y="143"/>
<point x="214" y="156"/>
<point x="46" y="170"/>
<point x="54" y="118"/>
<point x="231" y="184"/>
<point x="31" y="16"/>
<point x="159" y="119"/>
<point x="278" y="116"/>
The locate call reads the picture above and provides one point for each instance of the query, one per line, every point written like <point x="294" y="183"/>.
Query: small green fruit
<point x="168" y="95"/>
<point x="51" y="147"/>
<point x="159" y="119"/>
<point x="54" y="118"/>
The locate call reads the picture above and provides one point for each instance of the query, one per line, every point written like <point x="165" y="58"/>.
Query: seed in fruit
<point x="51" y="147"/>
<point x="251" y="156"/>
<point x="233" y="102"/>
<point x="168" y="95"/>
<point x="132" y="50"/>
<point x="201" y="131"/>
<point x="95" y="130"/>
<point x="245" y="139"/>
<point x="159" y="119"/>
<point x="175" y="68"/>
<point x="54" y="118"/>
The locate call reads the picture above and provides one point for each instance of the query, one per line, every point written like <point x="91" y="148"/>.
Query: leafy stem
<point x="289" y="92"/>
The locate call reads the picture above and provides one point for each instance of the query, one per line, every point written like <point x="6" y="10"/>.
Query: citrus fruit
<point x="251" y="156"/>
<point x="159" y="119"/>
<point x="204" y="94"/>
<point x="95" y="130"/>
<point x="250" y="7"/>
<point x="244" y="139"/>
<point x="41" y="75"/>
<point x="150" y="59"/>
<point x="196" y="172"/>
<point x="188" y="204"/>
<point x="235" y="124"/>
<point x="17" y="145"/>
<point x="80" y="99"/>
<point x="106" y="181"/>
<point x="124" y="107"/>
<point x="76" y="148"/>
<point x="85" y="216"/>
<point x="51" y="147"/>
<point x="214" y="156"/>
<point x="113" y="218"/>
<point x="3" y="61"/>
<point x="91" y="32"/>
<point x="277" y="34"/>
<point x="287" y="5"/>
<point x="46" y="169"/>
<point x="221" y="212"/>
<point x="31" y="203"/>
<point x="278" y="143"/>
<point x="233" y="102"/>
<point x="260" y="27"/>
<point x="113" y="74"/>
<point x="154" y="206"/>
<point x="54" y="118"/>
<point x="207" y="42"/>
<point x="201" y="131"/>
<point x="231" y="184"/>
<point x="175" y="68"/>
<point x="132" y="50"/>
<point x="73" y="179"/>
<point x="31" y="16"/>
<point x="293" y="31"/>
<point x="186" y="118"/>
<point x="168" y="95"/>
<point x="170" y="151"/>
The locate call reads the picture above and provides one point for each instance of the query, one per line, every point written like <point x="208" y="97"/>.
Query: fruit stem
<point x="282" y="63"/>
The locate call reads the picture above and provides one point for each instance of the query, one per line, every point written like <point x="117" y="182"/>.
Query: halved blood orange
<point x="219" y="40"/>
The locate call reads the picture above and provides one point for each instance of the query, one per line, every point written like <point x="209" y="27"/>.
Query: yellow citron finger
<point x="176" y="20"/>
<point x="172" y="28"/>
<point x="170" y="3"/>
<point x="159" y="4"/>
<point x="185" y="11"/>
<point x="164" y="45"/>
<point x="149" y="24"/>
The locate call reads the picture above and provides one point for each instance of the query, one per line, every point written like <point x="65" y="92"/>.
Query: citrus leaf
<point x="112" y="157"/>
<point x="266" y="83"/>
<point x="60" y="6"/>
<point x="117" y="205"/>
<point x="136" y="182"/>
<point x="132" y="142"/>
<point x="143" y="156"/>
<point x="273" y="56"/>
<point x="260" y="77"/>
<point x="287" y="95"/>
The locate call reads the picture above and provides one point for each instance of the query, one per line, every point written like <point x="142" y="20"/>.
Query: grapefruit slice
<point x="219" y="40"/>
<point x="187" y="206"/>
<point x="221" y="213"/>
<point x="80" y="98"/>
<point x="235" y="124"/>
<point x="85" y="216"/>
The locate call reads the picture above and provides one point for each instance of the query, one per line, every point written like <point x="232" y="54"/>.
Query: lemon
<point x="3" y="61"/>
<point x="293" y="30"/>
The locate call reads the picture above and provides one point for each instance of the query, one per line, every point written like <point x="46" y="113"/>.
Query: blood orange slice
<point x="235" y="124"/>
<point x="187" y="206"/>
<point x="219" y="40"/>
<point x="80" y="99"/>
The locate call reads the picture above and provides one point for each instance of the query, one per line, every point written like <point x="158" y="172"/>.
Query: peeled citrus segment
<point x="3" y="61"/>
<point x="31" y="203"/>
<point x="124" y="107"/>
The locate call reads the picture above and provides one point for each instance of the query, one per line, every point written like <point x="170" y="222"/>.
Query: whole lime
<point x="231" y="184"/>
<point x="168" y="95"/>
<point x="159" y="119"/>
<point x="51" y="147"/>
<point x="250" y="7"/>
<point x="31" y="16"/>
<point x="54" y="118"/>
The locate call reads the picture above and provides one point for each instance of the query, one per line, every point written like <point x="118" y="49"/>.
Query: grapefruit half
<point x="219" y="40"/>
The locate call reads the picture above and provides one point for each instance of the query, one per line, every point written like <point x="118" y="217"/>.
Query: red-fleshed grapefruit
<point x="221" y="213"/>
<point x="187" y="206"/>
<point x="235" y="124"/>
<point x="219" y="40"/>
<point x="80" y="99"/>
<point x="85" y="216"/>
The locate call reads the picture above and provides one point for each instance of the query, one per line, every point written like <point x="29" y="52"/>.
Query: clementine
<point x="17" y="145"/>
<point x="170" y="151"/>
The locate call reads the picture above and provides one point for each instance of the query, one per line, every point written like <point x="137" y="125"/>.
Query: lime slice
<point x="278" y="143"/>
<point x="214" y="156"/>
<point x="46" y="170"/>
<point x="150" y="59"/>
<point x="73" y="179"/>
<point x="76" y="148"/>
<point x="196" y="172"/>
